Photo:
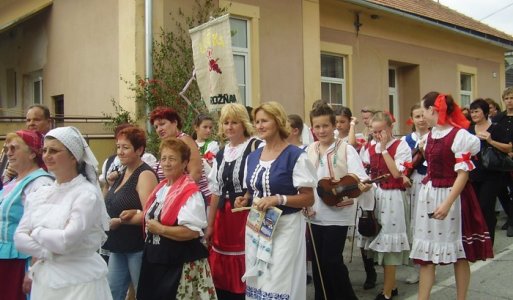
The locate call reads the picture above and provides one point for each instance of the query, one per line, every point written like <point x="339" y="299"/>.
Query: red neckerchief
<point x="179" y="192"/>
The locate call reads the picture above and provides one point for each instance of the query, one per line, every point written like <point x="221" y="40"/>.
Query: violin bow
<point x="315" y="254"/>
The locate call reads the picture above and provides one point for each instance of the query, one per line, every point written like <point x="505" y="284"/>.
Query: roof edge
<point x="484" y="37"/>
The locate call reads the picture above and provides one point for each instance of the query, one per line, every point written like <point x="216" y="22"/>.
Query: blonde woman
<point x="226" y="229"/>
<point x="281" y="176"/>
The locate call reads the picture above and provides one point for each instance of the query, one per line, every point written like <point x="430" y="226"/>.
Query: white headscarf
<point x="72" y="139"/>
<point x="77" y="145"/>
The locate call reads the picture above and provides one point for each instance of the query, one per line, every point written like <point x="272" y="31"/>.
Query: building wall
<point x="426" y="58"/>
<point x="279" y="48"/>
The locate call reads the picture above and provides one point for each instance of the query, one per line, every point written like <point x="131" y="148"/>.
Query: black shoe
<point x="381" y="296"/>
<point x="395" y="292"/>
<point x="505" y="226"/>
<point x="370" y="281"/>
<point x="509" y="233"/>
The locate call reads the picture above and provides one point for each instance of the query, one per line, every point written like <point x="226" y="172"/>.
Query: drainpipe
<point x="148" y="47"/>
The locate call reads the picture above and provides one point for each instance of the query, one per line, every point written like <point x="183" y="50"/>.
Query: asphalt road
<point x="491" y="279"/>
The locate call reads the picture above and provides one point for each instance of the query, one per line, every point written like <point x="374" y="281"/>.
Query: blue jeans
<point x="123" y="269"/>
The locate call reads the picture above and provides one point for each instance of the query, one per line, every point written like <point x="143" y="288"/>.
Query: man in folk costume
<point x="334" y="159"/>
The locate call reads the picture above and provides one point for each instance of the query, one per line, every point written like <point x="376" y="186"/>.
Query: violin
<point x="334" y="192"/>
<point x="417" y="159"/>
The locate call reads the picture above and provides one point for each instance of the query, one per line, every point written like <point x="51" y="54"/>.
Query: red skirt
<point x="475" y="234"/>
<point x="226" y="258"/>
<point x="12" y="272"/>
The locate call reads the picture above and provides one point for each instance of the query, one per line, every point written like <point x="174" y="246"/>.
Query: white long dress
<point x="440" y="241"/>
<point x="412" y="194"/>
<point x="63" y="226"/>
<point x="391" y="211"/>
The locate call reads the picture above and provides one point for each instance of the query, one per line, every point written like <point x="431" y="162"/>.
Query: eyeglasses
<point x="52" y="151"/>
<point x="12" y="148"/>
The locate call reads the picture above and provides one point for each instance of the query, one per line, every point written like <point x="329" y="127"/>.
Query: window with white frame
<point x="241" y="59"/>
<point x="333" y="86"/>
<point x="466" y="84"/>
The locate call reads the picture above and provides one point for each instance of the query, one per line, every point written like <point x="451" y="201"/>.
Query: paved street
<point x="491" y="279"/>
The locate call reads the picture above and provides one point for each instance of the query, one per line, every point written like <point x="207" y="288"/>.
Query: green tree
<point x="172" y="68"/>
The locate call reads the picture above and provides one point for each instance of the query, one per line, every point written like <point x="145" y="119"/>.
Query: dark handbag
<point x="367" y="224"/>
<point x="494" y="159"/>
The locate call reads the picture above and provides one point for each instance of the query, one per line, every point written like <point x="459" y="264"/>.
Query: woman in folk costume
<point x="281" y="176"/>
<point x="226" y="229"/>
<point x="64" y="224"/>
<point x="389" y="156"/>
<point x="450" y="227"/>
<point x="174" y="264"/>
<point x="334" y="159"/>
<point x="23" y="150"/>
<point x="416" y="170"/>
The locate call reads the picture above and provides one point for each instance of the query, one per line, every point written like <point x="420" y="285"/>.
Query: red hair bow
<point x="456" y="118"/>
<point x="390" y="115"/>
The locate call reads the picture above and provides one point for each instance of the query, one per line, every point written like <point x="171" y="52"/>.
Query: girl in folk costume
<point x="225" y="232"/>
<point x="296" y="131"/>
<point x="417" y="169"/>
<point x="207" y="147"/>
<point x="389" y="155"/>
<point x="281" y="175"/>
<point x="450" y="227"/>
<point x="334" y="159"/>
<point x="345" y="127"/>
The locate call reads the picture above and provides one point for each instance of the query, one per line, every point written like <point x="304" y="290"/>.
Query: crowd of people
<point x="253" y="213"/>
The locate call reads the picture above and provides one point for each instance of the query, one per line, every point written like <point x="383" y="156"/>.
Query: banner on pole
<point x="213" y="62"/>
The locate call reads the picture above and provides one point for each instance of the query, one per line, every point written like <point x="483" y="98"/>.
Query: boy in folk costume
<point x="333" y="158"/>
<point x="389" y="156"/>
<point x="450" y="227"/>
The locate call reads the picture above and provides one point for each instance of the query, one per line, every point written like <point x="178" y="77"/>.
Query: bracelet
<point x="280" y="199"/>
<point x="384" y="152"/>
<point x="284" y="200"/>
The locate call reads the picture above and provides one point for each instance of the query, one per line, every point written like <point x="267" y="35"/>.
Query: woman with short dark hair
<point x="174" y="264"/>
<point x="487" y="183"/>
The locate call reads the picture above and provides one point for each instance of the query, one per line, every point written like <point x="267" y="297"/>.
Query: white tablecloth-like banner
<point x="213" y="62"/>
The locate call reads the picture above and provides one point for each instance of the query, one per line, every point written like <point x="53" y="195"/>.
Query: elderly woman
<point x="64" y="224"/>
<point x="226" y="179"/>
<point x="23" y="150"/>
<point x="125" y="201"/>
<point x="174" y="262"/>
<point x="280" y="175"/>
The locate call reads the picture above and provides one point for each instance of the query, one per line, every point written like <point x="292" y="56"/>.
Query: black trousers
<point x="505" y="197"/>
<point x="486" y="192"/>
<point x="329" y="244"/>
